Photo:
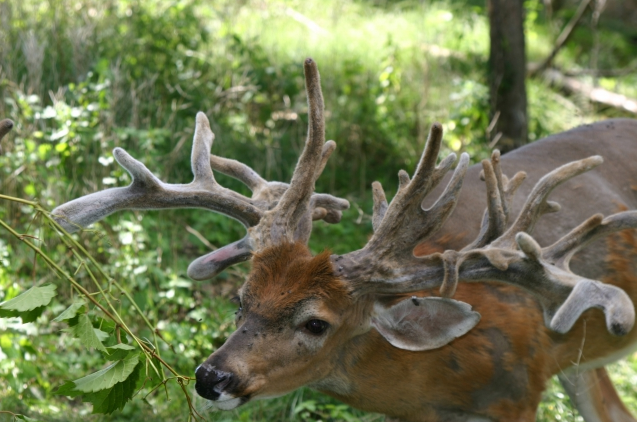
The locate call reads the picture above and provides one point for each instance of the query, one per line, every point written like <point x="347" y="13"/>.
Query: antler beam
<point x="148" y="192"/>
<point x="276" y="211"/>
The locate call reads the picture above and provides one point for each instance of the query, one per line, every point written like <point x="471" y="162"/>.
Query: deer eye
<point x="316" y="326"/>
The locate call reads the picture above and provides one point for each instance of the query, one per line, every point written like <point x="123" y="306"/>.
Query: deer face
<point x="295" y="321"/>
<point x="294" y="315"/>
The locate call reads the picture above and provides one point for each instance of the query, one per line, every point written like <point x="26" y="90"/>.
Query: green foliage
<point x="89" y="336"/>
<point x="29" y="305"/>
<point x="103" y="379"/>
<point x="80" y="77"/>
<point x="33" y="298"/>
<point x="71" y="311"/>
<point x="110" y="388"/>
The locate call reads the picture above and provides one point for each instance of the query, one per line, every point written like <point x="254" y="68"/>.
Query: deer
<point x="448" y="313"/>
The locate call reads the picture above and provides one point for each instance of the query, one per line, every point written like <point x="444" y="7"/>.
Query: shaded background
<point x="80" y="77"/>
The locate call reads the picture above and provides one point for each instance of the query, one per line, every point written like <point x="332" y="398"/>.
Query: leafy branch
<point x="110" y="388"/>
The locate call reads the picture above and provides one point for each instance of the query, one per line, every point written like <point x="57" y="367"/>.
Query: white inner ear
<point x="424" y="323"/>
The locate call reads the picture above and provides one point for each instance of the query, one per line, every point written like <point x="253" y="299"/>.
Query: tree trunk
<point x="507" y="71"/>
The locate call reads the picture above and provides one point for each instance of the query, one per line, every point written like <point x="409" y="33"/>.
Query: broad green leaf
<point x="31" y="315"/>
<point x="100" y="334"/>
<point x="31" y="299"/>
<point x="107" y="377"/>
<point x="109" y="400"/>
<point x="70" y="312"/>
<point x="119" y="351"/>
<point x="89" y="336"/>
<point x="28" y="316"/>
<point x="25" y="418"/>
<point x="67" y="389"/>
<point x="105" y="325"/>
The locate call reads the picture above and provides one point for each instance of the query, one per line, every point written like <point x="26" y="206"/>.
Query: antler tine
<point x="494" y="219"/>
<point x="326" y="207"/>
<point x="500" y="191"/>
<point x="200" y="155"/>
<point x="5" y="127"/>
<point x="148" y="192"/>
<point x="427" y="164"/>
<point x="211" y="264"/>
<point x="499" y="178"/>
<point x="404" y="218"/>
<point x="293" y="206"/>
<point x="328" y="149"/>
<point x="536" y="204"/>
<point x="380" y="205"/>
<point x="237" y="170"/>
<point x="561" y="252"/>
<point x="400" y="225"/>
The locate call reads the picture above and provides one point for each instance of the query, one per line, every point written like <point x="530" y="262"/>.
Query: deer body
<point x="472" y="327"/>
<point x="500" y="368"/>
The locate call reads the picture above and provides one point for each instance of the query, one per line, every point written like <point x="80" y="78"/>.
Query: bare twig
<point x="561" y="40"/>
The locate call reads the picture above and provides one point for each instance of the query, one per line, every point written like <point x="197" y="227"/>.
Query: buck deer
<point x="378" y="328"/>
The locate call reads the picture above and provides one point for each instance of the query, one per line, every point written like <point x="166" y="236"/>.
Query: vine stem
<point x="24" y="201"/>
<point x="114" y="315"/>
<point x="68" y="237"/>
<point x="88" y="295"/>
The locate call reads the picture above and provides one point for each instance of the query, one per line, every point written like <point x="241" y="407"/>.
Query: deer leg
<point x="594" y="396"/>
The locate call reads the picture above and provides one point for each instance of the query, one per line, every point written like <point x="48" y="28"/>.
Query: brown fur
<point x="497" y="370"/>
<point x="284" y="275"/>
<point x="510" y="349"/>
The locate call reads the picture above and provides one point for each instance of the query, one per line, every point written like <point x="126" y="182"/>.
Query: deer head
<point x="299" y="314"/>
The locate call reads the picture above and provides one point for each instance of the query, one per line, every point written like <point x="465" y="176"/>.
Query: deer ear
<point x="424" y="323"/>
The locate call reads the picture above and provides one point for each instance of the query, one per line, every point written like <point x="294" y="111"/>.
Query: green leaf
<point x="25" y="418"/>
<point x="28" y="316"/>
<point x="119" y="351"/>
<point x="109" y="400"/>
<point x="32" y="315"/>
<point x="67" y="389"/>
<point x="89" y="336"/>
<point x="31" y="299"/>
<point x="105" y="325"/>
<point x="71" y="311"/>
<point x="100" y="334"/>
<point x="109" y="376"/>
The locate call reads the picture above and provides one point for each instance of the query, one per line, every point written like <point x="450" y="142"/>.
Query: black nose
<point x="210" y="381"/>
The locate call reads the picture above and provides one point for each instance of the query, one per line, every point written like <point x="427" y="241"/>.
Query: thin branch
<point x="561" y="40"/>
